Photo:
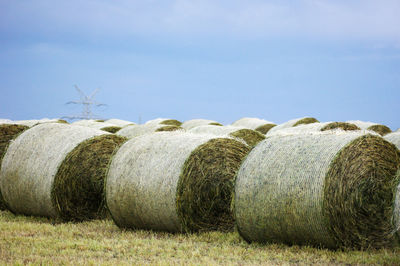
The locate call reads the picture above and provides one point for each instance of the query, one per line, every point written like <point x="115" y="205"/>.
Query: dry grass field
<point x="31" y="240"/>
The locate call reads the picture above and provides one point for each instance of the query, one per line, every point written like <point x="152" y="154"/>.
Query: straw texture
<point x="151" y="177"/>
<point x="316" y="189"/>
<point x="77" y="191"/>
<point x="31" y="163"/>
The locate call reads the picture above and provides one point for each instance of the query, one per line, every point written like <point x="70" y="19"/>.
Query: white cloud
<point x="340" y="19"/>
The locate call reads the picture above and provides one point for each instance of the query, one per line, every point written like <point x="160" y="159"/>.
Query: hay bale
<point x="372" y="126"/>
<point x="33" y="122"/>
<point x="111" y="129"/>
<point x="138" y="130"/>
<point x="8" y="132"/>
<point x="51" y="169"/>
<point x="164" y="121"/>
<point x="95" y="124"/>
<point x="119" y="122"/>
<point x="168" y="128"/>
<point x="198" y="122"/>
<point x="329" y="127"/>
<point x="249" y="136"/>
<point x="174" y="182"/>
<point x="260" y="125"/>
<point x="293" y="123"/>
<point x="331" y="190"/>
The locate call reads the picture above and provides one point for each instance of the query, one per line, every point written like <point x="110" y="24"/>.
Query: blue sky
<point x="220" y="60"/>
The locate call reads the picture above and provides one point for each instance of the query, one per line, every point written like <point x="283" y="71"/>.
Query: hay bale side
<point x="111" y="129"/>
<point x="284" y="191"/>
<point x="205" y="187"/>
<point x="251" y="137"/>
<point x="340" y="125"/>
<point x="293" y="123"/>
<point x="31" y="162"/>
<point x="215" y="124"/>
<point x="77" y="191"/>
<point x="168" y="128"/>
<point x="171" y="122"/>
<point x="189" y="124"/>
<point x="8" y="132"/>
<point x="305" y="121"/>
<point x="264" y="128"/>
<point x="147" y="171"/>
<point x="380" y="129"/>
<point x="360" y="193"/>
<point x="62" y="121"/>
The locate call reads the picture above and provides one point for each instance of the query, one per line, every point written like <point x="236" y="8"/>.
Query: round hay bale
<point x="340" y="125"/>
<point x="249" y="136"/>
<point x="260" y="125"/>
<point x="164" y="121"/>
<point x="174" y="182"/>
<point x="380" y="129"/>
<point x="265" y="128"/>
<point x="48" y="158"/>
<point x="168" y="128"/>
<point x="33" y="122"/>
<point x="293" y="123"/>
<point x="316" y="128"/>
<point x="331" y="190"/>
<point x="8" y="132"/>
<point x="99" y="120"/>
<point x="119" y="122"/>
<point x="111" y="129"/>
<point x="138" y="130"/>
<point x="199" y="122"/>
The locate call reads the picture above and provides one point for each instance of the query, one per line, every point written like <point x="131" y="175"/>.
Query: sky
<point x="334" y="60"/>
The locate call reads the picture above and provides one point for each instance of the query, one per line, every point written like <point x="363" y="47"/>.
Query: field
<point x="32" y="240"/>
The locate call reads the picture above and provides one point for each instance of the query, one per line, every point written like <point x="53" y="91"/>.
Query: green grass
<point x="30" y="240"/>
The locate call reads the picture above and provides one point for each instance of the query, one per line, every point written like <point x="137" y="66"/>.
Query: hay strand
<point x="331" y="190"/>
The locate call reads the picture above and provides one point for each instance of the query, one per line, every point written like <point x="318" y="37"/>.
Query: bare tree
<point x="87" y="103"/>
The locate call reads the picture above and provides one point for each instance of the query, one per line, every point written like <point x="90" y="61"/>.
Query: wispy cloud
<point x="339" y="19"/>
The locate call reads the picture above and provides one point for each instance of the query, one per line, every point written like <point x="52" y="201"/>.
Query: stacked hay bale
<point x="249" y="136"/>
<point x="176" y="182"/>
<point x="98" y="124"/>
<point x="380" y="129"/>
<point x="57" y="170"/>
<point x="199" y="122"/>
<point x="164" y="121"/>
<point x="138" y="130"/>
<point x="119" y="122"/>
<point x="260" y="125"/>
<point x="293" y="123"/>
<point x="316" y="128"/>
<point x="8" y="132"/>
<point x="331" y="190"/>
